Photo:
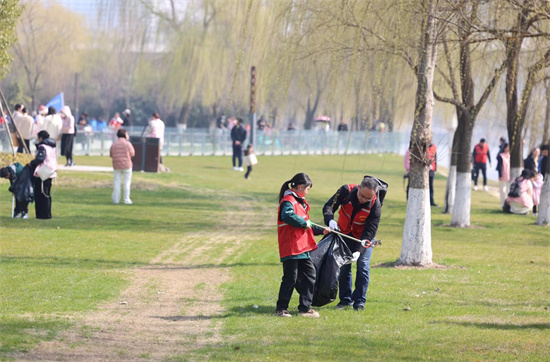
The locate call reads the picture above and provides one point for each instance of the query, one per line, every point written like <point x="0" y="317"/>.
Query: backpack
<point x="515" y="188"/>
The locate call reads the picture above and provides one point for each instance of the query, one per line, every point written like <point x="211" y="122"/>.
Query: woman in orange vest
<point x="296" y="240"/>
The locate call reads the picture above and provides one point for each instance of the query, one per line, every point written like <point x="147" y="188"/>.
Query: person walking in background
<point x="46" y="159"/>
<point x="122" y="152"/>
<point x="502" y="144"/>
<point x="156" y="130"/>
<point x="296" y="241"/>
<point x="116" y="122"/>
<point x="503" y="168"/>
<point x="480" y="156"/>
<point x="359" y="216"/>
<point x="24" y="123"/>
<point x="238" y="136"/>
<point x="39" y="121"/>
<point x="342" y="127"/>
<point x="127" y="118"/>
<point x="249" y="160"/>
<point x="67" y="135"/>
<point x="53" y="124"/>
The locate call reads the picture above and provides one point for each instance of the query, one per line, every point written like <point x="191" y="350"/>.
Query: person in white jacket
<point x="156" y="130"/>
<point x="24" y="124"/>
<point x="52" y="124"/>
<point x="67" y="134"/>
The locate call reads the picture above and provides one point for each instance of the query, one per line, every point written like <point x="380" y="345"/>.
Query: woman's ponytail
<point x="283" y="190"/>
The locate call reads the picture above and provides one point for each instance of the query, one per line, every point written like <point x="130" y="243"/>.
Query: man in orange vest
<point x="479" y="159"/>
<point x="360" y="209"/>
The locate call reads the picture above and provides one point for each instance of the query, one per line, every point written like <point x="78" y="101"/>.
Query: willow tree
<point x="9" y="13"/>
<point x="462" y="86"/>
<point x="532" y="18"/>
<point x="48" y="51"/>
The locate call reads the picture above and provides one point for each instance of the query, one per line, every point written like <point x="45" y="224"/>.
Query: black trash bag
<point x="22" y="187"/>
<point x="331" y="253"/>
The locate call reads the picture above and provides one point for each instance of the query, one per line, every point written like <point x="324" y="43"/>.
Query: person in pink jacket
<point x="122" y="152"/>
<point x="538" y="182"/>
<point x="524" y="202"/>
<point x="503" y="168"/>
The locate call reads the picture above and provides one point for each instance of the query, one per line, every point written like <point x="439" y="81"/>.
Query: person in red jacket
<point x="479" y="158"/>
<point x="296" y="240"/>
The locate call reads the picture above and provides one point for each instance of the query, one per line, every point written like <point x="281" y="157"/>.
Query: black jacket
<point x="529" y="164"/>
<point x="238" y="133"/>
<point x="340" y="197"/>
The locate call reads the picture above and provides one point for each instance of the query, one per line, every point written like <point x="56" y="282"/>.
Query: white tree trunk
<point x="417" y="233"/>
<point x="450" y="191"/>
<point x="544" y="206"/>
<point x="514" y="173"/>
<point x="461" y="209"/>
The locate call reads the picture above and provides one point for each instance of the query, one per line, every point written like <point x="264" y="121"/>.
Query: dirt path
<point x="169" y="309"/>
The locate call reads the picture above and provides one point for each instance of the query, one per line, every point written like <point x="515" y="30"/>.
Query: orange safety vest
<point x="292" y="240"/>
<point x="431" y="156"/>
<point x="481" y="153"/>
<point x="360" y="219"/>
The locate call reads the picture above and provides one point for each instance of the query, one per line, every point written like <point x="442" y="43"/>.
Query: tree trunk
<point x="451" y="180"/>
<point x="417" y="238"/>
<point x="513" y="47"/>
<point x="461" y="207"/>
<point x="466" y="120"/>
<point x="544" y="206"/>
<point x="546" y="131"/>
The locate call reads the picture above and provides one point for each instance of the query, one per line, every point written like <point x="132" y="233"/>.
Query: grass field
<point x="488" y="300"/>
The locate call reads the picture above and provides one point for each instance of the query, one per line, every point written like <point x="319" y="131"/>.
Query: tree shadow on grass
<point x="59" y="262"/>
<point x="203" y="266"/>
<point x="86" y="263"/>
<point x="112" y="222"/>
<point x="187" y="318"/>
<point x="501" y="326"/>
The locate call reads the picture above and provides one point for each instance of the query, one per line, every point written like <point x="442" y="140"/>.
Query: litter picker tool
<point x="12" y="205"/>
<point x="374" y="243"/>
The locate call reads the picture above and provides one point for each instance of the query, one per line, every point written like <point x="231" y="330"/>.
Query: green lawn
<point x="490" y="300"/>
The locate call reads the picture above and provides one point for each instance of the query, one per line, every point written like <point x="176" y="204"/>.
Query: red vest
<point x="431" y="156"/>
<point x="292" y="240"/>
<point x="481" y="153"/>
<point x="344" y="217"/>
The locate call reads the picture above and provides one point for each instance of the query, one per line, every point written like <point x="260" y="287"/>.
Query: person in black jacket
<point x="238" y="136"/>
<point x="359" y="216"/>
<point x="532" y="160"/>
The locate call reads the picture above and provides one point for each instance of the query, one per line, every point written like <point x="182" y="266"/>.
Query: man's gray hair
<point x="370" y="183"/>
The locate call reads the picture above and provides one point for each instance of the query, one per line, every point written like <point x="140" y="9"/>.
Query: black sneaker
<point x="359" y="308"/>
<point x="342" y="306"/>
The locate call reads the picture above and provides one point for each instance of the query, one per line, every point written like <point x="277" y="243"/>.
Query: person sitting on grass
<point x="296" y="240"/>
<point x="523" y="203"/>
